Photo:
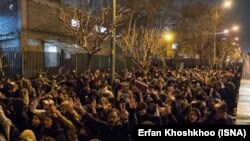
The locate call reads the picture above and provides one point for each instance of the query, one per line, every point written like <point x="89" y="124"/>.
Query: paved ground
<point x="243" y="107"/>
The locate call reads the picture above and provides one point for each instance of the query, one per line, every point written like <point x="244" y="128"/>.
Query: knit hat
<point x="27" y="135"/>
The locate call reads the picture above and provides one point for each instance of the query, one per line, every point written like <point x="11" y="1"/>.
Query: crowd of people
<point x="68" y="107"/>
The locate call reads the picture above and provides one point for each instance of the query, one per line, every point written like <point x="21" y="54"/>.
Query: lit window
<point x="67" y="55"/>
<point x="33" y="43"/>
<point x="52" y="58"/>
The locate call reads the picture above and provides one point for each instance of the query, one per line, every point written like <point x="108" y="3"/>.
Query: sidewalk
<point x="243" y="107"/>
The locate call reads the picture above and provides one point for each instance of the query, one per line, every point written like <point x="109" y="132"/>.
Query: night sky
<point x="241" y="9"/>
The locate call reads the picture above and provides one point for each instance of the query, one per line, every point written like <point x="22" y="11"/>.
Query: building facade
<point x="33" y="39"/>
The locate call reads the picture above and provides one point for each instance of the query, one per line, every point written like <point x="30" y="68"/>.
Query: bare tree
<point x="90" y="22"/>
<point x="228" y="48"/>
<point x="141" y="45"/>
<point x="195" y="30"/>
<point x="149" y="13"/>
<point x="148" y="18"/>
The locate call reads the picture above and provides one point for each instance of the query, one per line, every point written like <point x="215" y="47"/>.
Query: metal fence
<point x="34" y="62"/>
<point x="10" y="62"/>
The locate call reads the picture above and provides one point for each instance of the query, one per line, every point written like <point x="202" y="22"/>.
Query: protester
<point x="85" y="107"/>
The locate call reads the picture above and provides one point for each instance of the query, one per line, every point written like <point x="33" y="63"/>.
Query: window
<point x="12" y="44"/>
<point x="67" y="55"/>
<point x="52" y="58"/>
<point x="33" y="42"/>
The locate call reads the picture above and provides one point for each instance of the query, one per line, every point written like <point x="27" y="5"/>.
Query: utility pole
<point x="215" y="32"/>
<point x="112" y="62"/>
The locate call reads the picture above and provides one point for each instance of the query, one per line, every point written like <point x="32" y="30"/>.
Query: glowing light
<point x="235" y="28"/>
<point x="227" y="4"/>
<point x="75" y="23"/>
<point x="169" y="36"/>
<point x="11" y="6"/>
<point x="226" y="31"/>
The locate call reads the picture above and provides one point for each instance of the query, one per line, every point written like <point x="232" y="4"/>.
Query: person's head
<point x="166" y="110"/>
<point x="128" y="95"/>
<point x="74" y="71"/>
<point x="49" y="121"/>
<point x="113" y="116"/>
<point x="230" y="86"/>
<point x="104" y="101"/>
<point x="221" y="110"/>
<point x="47" y="103"/>
<point x="64" y="107"/>
<point x="201" y="105"/>
<point x="142" y="108"/>
<point x="194" y="115"/>
<point x="218" y="85"/>
<point x="36" y="120"/>
<point x="27" y="135"/>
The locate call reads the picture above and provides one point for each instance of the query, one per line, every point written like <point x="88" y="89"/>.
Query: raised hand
<point x="167" y="109"/>
<point x="132" y="103"/>
<point x="123" y="106"/>
<point x="119" y="94"/>
<point x="105" y="105"/>
<point x="71" y="105"/>
<point x="78" y="106"/>
<point x="93" y="106"/>
<point x="124" y="114"/>
<point x="157" y="112"/>
<point x="54" y="110"/>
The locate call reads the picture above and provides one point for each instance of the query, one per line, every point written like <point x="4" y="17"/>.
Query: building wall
<point x="43" y="28"/>
<point x="30" y="25"/>
<point x="10" y="37"/>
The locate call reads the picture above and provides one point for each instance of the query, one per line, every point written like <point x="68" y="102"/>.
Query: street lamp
<point x="235" y="28"/>
<point x="169" y="36"/>
<point x="226" y="4"/>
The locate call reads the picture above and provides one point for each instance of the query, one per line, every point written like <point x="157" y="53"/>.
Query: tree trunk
<point x="145" y="72"/>
<point x="223" y="58"/>
<point x="89" y="61"/>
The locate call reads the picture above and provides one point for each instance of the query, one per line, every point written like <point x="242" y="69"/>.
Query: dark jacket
<point x="119" y="132"/>
<point x="38" y="131"/>
<point x="14" y="133"/>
